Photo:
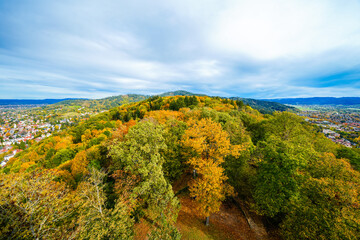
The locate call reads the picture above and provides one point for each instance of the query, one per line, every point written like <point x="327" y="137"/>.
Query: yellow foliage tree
<point x="79" y="164"/>
<point x="63" y="143"/>
<point x="210" y="145"/>
<point x="32" y="156"/>
<point x="86" y="136"/>
<point x="164" y="115"/>
<point x="34" y="206"/>
<point x="26" y="165"/>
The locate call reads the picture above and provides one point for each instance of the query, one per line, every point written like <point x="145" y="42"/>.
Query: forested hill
<point x="158" y="168"/>
<point x="97" y="105"/>
<point x="318" y="101"/>
<point x="104" y="103"/>
<point x="265" y="106"/>
<point x="32" y="101"/>
<point x="180" y="93"/>
<point x="260" y="105"/>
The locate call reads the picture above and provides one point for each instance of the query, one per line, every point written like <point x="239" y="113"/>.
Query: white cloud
<point x="204" y="68"/>
<point x="280" y="28"/>
<point x="255" y="48"/>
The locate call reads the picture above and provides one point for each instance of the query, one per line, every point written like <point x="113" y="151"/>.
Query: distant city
<point x="18" y="130"/>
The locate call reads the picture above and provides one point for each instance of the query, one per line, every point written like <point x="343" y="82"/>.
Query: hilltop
<point x="180" y="93"/>
<point x="83" y="108"/>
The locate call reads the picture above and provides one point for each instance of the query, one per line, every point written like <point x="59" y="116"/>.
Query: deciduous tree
<point x="96" y="221"/>
<point x="139" y="154"/>
<point x="34" y="206"/>
<point x="210" y="145"/>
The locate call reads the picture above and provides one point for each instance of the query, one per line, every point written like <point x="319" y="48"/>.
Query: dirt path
<point x="233" y="221"/>
<point x="229" y="223"/>
<point x="254" y="222"/>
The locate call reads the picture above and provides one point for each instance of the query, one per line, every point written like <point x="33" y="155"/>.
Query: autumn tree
<point x="210" y="145"/>
<point x="34" y="206"/>
<point x="79" y="164"/>
<point x="238" y="169"/>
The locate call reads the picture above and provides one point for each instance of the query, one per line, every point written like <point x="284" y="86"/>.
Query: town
<point x="19" y="129"/>
<point x="22" y="125"/>
<point x="342" y="126"/>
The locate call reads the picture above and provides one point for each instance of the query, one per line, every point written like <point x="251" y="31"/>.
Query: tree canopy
<point x="105" y="175"/>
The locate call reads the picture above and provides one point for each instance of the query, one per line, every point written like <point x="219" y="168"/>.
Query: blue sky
<point x="247" y="48"/>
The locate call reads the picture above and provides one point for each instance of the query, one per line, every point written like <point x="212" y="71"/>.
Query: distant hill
<point x="33" y="101"/>
<point x="260" y="105"/>
<point x="83" y="108"/>
<point x="265" y="106"/>
<point x="180" y="93"/>
<point x="104" y="103"/>
<point x="317" y="101"/>
<point x="80" y="101"/>
<point x="73" y="104"/>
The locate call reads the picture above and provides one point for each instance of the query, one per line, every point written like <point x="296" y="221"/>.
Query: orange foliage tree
<point x="210" y="145"/>
<point x="62" y="143"/>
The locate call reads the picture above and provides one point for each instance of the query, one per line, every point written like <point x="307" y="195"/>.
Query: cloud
<point x="268" y="30"/>
<point x="249" y="48"/>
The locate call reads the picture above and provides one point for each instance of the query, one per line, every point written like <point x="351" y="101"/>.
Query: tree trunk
<point x="194" y="176"/>
<point x="207" y="221"/>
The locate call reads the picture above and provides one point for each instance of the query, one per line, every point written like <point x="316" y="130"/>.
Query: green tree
<point x="276" y="179"/>
<point x="328" y="207"/>
<point x="140" y="155"/>
<point x="352" y="154"/>
<point x="96" y="221"/>
<point x="60" y="157"/>
<point x="174" y="160"/>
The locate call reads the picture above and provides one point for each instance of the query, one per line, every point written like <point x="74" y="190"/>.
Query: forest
<point x="113" y="175"/>
<point x="79" y="109"/>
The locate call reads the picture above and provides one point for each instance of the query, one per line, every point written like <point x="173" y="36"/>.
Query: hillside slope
<point x="265" y="106"/>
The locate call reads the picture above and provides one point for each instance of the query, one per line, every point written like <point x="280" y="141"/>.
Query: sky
<point x="245" y="48"/>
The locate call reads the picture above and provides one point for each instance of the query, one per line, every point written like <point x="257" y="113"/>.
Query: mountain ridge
<point x="317" y="101"/>
<point x="113" y="101"/>
<point x="35" y="101"/>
